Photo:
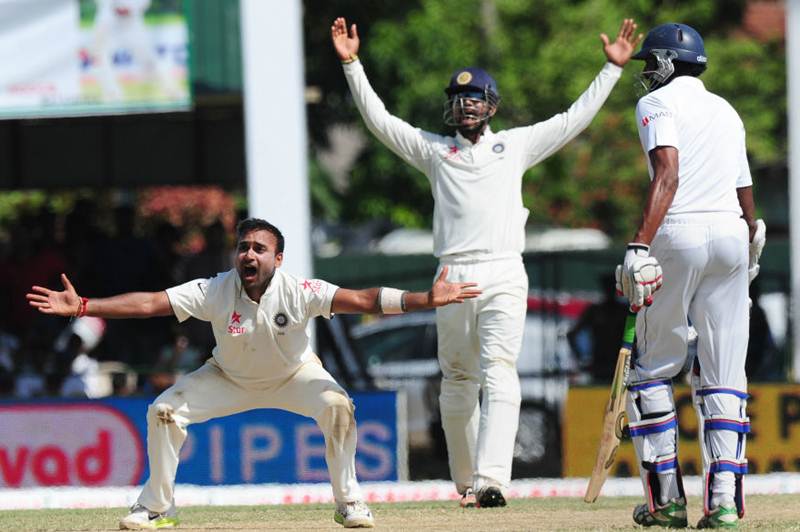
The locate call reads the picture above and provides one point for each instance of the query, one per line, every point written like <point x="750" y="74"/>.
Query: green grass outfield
<point x="764" y="512"/>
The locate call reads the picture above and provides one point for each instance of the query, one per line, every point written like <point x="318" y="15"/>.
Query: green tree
<point x="543" y="53"/>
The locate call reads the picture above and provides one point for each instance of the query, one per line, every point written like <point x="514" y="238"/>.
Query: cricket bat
<point x="614" y="413"/>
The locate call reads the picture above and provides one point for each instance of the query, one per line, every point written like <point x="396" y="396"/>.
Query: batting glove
<point x="639" y="276"/>
<point x="756" y="247"/>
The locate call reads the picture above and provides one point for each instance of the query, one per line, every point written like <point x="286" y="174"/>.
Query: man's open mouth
<point x="249" y="272"/>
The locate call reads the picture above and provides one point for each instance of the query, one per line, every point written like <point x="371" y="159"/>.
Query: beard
<point x="478" y="128"/>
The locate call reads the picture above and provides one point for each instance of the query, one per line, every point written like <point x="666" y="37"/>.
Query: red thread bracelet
<point x="83" y="307"/>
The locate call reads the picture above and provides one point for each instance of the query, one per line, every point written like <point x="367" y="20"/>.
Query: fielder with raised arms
<point x="479" y="233"/>
<point x="263" y="359"/>
<point x="698" y="226"/>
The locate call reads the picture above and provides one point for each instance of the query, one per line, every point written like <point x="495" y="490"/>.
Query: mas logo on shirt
<point x="280" y="320"/>
<point x="315" y="285"/>
<point x="499" y="147"/>
<point x="653" y="116"/>
<point x="235" y="324"/>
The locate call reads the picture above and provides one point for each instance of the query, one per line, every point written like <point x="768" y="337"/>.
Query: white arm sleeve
<point x="412" y="144"/>
<point x="656" y="123"/>
<point x="744" y="179"/>
<point x="316" y="296"/>
<point x="546" y="138"/>
<point x="190" y="300"/>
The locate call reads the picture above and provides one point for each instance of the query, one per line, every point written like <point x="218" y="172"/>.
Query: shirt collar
<point x="464" y="141"/>
<point x="689" y="81"/>
<point x="243" y="295"/>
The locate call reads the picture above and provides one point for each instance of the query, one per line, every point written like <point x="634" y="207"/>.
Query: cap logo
<point x="464" y="78"/>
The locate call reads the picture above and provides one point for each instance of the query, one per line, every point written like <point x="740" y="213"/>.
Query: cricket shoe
<point x="723" y="516"/>
<point x="468" y="499"/>
<point x="490" y="497"/>
<point x="141" y="518"/>
<point x="670" y="515"/>
<point x="353" y="515"/>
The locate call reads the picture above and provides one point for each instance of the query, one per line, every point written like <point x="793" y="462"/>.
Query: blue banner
<point x="103" y="442"/>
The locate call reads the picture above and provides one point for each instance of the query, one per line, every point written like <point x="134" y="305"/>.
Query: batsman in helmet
<point x="479" y="233"/>
<point x="699" y="237"/>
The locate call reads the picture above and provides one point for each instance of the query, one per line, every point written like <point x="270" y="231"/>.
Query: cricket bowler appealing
<point x="262" y="360"/>
<point x="699" y="225"/>
<point x="479" y="232"/>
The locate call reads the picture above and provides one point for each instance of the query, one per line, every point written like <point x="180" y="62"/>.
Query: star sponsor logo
<point x="235" y="324"/>
<point x="654" y="116"/>
<point x="315" y="285"/>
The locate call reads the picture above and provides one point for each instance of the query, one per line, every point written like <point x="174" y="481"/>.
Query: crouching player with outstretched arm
<point x="262" y="359"/>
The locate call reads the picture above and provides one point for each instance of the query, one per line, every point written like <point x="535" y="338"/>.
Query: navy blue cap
<point x="471" y="79"/>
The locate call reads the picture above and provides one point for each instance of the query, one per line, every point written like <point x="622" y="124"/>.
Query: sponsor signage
<point x="773" y="444"/>
<point x="109" y="57"/>
<point x="103" y="443"/>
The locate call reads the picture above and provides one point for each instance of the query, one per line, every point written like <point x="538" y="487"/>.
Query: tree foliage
<point x="543" y="53"/>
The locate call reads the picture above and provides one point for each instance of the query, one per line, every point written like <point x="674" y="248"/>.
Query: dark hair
<point x="257" y="224"/>
<point x="682" y="68"/>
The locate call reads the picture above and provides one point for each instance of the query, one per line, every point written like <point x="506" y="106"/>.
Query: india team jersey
<point x="710" y="138"/>
<point x="477" y="188"/>
<point x="257" y="343"/>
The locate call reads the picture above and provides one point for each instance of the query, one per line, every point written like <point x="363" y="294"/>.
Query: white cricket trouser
<point x="479" y="343"/>
<point x="704" y="259"/>
<point x="208" y="392"/>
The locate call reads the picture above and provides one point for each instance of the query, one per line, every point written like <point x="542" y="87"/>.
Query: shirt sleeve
<point x="190" y="300"/>
<point x="744" y="179"/>
<point x="545" y="138"/>
<point x="412" y="144"/>
<point x="656" y="123"/>
<point x="316" y="296"/>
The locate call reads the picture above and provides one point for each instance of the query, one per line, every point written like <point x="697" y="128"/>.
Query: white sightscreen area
<point x="275" y="124"/>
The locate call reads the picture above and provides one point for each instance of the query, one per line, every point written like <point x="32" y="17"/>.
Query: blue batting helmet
<point x="681" y="39"/>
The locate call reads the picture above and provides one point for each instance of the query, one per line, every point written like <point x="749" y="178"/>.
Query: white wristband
<point x="391" y="300"/>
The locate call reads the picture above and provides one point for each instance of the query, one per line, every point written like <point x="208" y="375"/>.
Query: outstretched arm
<point x="410" y="143"/>
<point x="368" y="300"/>
<point x="546" y="138"/>
<point x="67" y="302"/>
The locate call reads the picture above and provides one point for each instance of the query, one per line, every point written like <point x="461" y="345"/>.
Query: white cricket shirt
<point x="257" y="343"/>
<point x="710" y="138"/>
<point x="477" y="188"/>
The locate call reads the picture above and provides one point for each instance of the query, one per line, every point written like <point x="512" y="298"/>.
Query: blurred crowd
<point x="104" y="251"/>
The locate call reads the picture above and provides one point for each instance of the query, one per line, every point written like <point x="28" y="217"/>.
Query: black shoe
<point x="490" y="497"/>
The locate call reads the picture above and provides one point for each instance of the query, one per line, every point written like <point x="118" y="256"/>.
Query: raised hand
<point x="63" y="303"/>
<point x="620" y="51"/>
<point x="346" y="45"/>
<point x="443" y="293"/>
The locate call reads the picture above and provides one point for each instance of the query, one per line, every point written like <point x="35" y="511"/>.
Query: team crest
<point x="280" y="319"/>
<point x="464" y="78"/>
<point x="499" y="147"/>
